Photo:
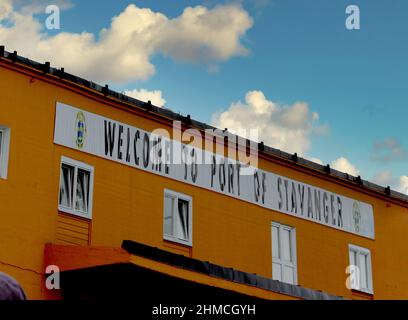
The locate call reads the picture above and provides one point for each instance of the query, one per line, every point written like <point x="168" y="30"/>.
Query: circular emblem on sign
<point x="356" y="216"/>
<point x="80" y="129"/>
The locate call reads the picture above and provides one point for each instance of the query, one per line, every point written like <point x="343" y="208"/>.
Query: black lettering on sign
<point x="280" y="202"/>
<point x="326" y="207"/>
<point x="194" y="166"/>
<point x="128" y="146"/>
<point x="109" y="137"/>
<point x="301" y="189"/>
<point x="256" y="186"/>
<point x="231" y="178"/>
<point x="167" y="151"/>
<point x="332" y="209"/>
<point x="153" y="158"/>
<point x="146" y="150"/>
<point x="120" y="142"/>
<point x="285" y="182"/>
<point x="259" y="186"/>
<point x="318" y="206"/>
<point x="185" y="152"/>
<point x="339" y="213"/>
<point x="156" y="155"/>
<point x="137" y="137"/>
<point x="213" y="170"/>
<point x="160" y="153"/>
<point x="294" y="199"/>
<point x="309" y="203"/>
<point x="263" y="187"/>
<point x="221" y="175"/>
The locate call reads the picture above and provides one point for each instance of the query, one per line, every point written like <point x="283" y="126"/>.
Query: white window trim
<point x="84" y="166"/>
<point x="293" y="249"/>
<point x="365" y="251"/>
<point x="4" y="152"/>
<point x="189" y="199"/>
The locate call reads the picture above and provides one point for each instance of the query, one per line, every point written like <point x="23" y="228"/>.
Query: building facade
<point x="78" y="179"/>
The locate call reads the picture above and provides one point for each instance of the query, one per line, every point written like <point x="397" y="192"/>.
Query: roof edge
<point x="229" y="274"/>
<point x="46" y="68"/>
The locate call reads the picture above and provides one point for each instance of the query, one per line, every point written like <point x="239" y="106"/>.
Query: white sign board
<point x="119" y="142"/>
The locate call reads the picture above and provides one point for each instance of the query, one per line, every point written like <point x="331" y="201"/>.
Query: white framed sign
<point x="100" y="136"/>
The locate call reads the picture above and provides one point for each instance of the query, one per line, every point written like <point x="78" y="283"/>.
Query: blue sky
<point x="297" y="51"/>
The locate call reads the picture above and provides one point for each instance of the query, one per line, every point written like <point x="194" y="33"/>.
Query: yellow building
<point x="80" y="190"/>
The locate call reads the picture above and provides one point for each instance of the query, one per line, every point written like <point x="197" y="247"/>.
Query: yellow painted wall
<point x="128" y="204"/>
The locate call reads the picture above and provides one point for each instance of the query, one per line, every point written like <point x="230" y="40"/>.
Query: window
<point x="76" y="185"/>
<point x="4" y="151"/>
<point x="361" y="273"/>
<point x="284" y="265"/>
<point x="177" y="225"/>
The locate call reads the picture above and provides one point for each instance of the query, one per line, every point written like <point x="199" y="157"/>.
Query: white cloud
<point x="403" y="185"/>
<point x="123" y="52"/>
<point x="388" y="150"/>
<point x="344" y="165"/>
<point x="145" y="95"/>
<point x="202" y="35"/>
<point x="384" y="178"/>
<point x="283" y="127"/>
<point x="5" y="9"/>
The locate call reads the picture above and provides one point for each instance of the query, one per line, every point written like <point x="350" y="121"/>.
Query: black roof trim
<point x="60" y="73"/>
<point x="225" y="273"/>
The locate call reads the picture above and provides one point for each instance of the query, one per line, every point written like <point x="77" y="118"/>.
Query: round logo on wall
<point x="80" y="129"/>
<point x="356" y="216"/>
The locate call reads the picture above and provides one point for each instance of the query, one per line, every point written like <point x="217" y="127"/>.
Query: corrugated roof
<point x="46" y="68"/>
<point x="225" y="273"/>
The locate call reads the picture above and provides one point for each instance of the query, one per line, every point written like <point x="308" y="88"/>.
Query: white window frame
<point x="77" y="165"/>
<point x="293" y="250"/>
<point x="4" y="151"/>
<point x="366" y="252"/>
<point x="189" y="199"/>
